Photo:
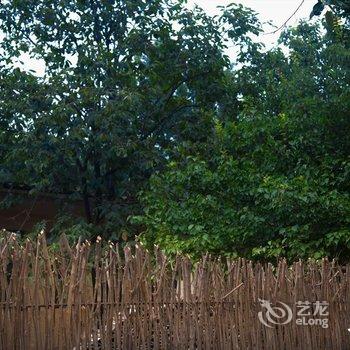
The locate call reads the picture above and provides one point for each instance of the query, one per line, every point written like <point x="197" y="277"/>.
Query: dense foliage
<point x="276" y="180"/>
<point x="124" y="83"/>
<point x="141" y="114"/>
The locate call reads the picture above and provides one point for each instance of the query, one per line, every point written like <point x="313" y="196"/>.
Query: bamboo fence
<point x="95" y="297"/>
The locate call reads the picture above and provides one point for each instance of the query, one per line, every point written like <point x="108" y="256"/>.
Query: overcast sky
<point x="278" y="11"/>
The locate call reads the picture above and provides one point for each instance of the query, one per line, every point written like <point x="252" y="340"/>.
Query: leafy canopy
<point x="275" y="181"/>
<point x="124" y="83"/>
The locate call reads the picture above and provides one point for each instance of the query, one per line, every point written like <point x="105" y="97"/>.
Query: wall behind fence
<point x="90" y="297"/>
<point x="32" y="209"/>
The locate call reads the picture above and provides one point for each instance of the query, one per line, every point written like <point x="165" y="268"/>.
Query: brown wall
<point x="33" y="209"/>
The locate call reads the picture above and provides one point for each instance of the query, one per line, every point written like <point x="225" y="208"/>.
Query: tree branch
<point x="285" y="23"/>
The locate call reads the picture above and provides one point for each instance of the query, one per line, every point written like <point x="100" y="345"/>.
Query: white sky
<point x="277" y="11"/>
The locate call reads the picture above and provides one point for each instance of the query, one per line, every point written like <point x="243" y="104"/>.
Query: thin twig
<point x="233" y="290"/>
<point x="285" y="23"/>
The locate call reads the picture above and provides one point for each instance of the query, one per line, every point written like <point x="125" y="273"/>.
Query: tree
<point x="340" y="7"/>
<point x="275" y="181"/>
<point x="124" y="83"/>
